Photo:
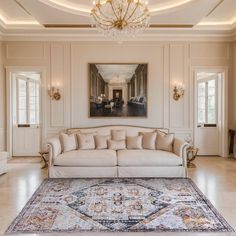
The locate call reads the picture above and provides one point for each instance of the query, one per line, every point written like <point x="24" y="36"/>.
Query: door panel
<point x="207" y="140"/>
<point x="207" y="132"/>
<point x="117" y="94"/>
<point x="26" y="122"/>
<point x="26" y="141"/>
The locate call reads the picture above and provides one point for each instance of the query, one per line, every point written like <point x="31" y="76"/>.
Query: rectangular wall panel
<point x="25" y="51"/>
<point x="152" y="54"/>
<point x="57" y="80"/>
<point x="2" y="139"/>
<point x="209" y="50"/>
<point x="177" y="75"/>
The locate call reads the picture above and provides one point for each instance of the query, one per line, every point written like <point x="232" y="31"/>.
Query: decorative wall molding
<point x="209" y="50"/>
<point x="234" y="36"/>
<point x="177" y="70"/>
<point x="25" y="51"/>
<point x="86" y="35"/>
<point x="2" y="139"/>
<point x="57" y="53"/>
<point x="67" y="62"/>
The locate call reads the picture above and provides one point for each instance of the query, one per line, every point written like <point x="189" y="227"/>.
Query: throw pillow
<point x="164" y="141"/>
<point x="116" y="145"/>
<point x="149" y="140"/>
<point x="101" y="141"/>
<point x="86" y="141"/>
<point x="118" y="135"/>
<point x="134" y="142"/>
<point x="68" y="142"/>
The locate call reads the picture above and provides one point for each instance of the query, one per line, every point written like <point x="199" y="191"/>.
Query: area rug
<point x="118" y="205"/>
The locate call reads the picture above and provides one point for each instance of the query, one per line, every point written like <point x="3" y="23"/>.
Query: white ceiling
<point x="30" y="16"/>
<point x="116" y="73"/>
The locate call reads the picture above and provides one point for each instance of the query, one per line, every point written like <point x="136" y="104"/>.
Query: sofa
<point x="118" y="160"/>
<point x="139" y="102"/>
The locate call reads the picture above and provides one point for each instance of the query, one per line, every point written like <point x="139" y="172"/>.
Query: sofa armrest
<point x="55" y="149"/>
<point x="180" y="149"/>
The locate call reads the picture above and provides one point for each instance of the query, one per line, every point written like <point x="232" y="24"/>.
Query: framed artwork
<point x="118" y="89"/>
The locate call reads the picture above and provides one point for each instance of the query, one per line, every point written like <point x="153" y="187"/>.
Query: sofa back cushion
<point x="106" y="130"/>
<point x="149" y="140"/>
<point x="86" y="141"/>
<point x="116" y="145"/>
<point x="118" y="134"/>
<point x="134" y="142"/>
<point x="164" y="141"/>
<point x="68" y="142"/>
<point x="101" y="141"/>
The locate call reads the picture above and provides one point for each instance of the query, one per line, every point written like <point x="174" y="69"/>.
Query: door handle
<point x="206" y="125"/>
<point x="210" y="125"/>
<point x="23" y="125"/>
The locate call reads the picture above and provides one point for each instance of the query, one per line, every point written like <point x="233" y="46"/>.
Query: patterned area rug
<point x="113" y="205"/>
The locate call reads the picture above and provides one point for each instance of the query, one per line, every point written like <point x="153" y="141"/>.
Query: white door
<point x="26" y="123"/>
<point x="207" y="129"/>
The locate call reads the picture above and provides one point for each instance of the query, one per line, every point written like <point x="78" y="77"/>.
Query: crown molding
<point x="1" y="32"/>
<point x="234" y="36"/>
<point x="2" y="25"/>
<point x="234" y="26"/>
<point x="197" y="33"/>
<point x="93" y="37"/>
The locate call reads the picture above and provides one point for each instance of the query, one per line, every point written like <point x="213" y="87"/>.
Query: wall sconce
<point x="178" y="92"/>
<point x="54" y="93"/>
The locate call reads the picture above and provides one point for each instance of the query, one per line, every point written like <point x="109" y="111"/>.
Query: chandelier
<point x="120" y="18"/>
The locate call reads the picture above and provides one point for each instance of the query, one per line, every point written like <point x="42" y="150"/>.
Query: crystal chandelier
<point x="120" y="18"/>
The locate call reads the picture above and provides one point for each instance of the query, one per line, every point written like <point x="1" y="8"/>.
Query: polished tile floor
<point x="215" y="176"/>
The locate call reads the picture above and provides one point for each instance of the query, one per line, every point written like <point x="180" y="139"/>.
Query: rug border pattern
<point x="228" y="227"/>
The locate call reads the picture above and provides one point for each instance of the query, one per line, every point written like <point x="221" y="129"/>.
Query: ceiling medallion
<point x="119" y="19"/>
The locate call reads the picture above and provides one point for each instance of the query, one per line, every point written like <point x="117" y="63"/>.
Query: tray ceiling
<point x="36" y="15"/>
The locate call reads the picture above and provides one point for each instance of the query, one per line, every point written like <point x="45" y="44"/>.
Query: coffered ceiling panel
<point x="164" y="12"/>
<point x="46" y="14"/>
<point x="189" y="13"/>
<point x="225" y="13"/>
<point x="12" y="11"/>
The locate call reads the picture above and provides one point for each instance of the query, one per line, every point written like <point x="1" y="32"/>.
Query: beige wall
<point x="67" y="63"/>
<point x="233" y="89"/>
<point x="2" y="101"/>
<point x="232" y="99"/>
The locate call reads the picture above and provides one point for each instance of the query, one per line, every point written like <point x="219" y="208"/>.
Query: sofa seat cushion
<point x="87" y="158"/>
<point x="147" y="158"/>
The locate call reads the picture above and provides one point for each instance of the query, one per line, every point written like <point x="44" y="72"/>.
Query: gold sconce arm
<point x="54" y="93"/>
<point x="178" y="92"/>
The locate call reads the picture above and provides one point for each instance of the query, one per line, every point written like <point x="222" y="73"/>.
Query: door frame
<point x="223" y="121"/>
<point x="120" y="90"/>
<point x="9" y="82"/>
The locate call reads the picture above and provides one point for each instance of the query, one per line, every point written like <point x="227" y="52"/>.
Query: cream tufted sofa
<point x="121" y="163"/>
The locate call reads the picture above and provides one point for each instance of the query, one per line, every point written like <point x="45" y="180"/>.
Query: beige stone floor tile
<point x="215" y="177"/>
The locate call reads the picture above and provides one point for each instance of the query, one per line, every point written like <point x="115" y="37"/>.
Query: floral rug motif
<point x="118" y="205"/>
